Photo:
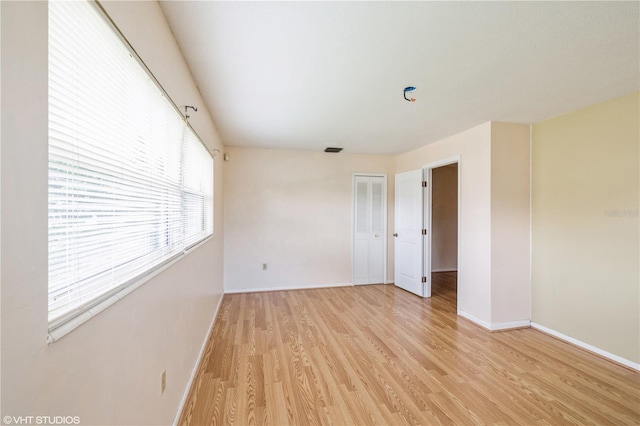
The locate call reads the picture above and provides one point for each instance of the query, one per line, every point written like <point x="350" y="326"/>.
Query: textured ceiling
<point x="305" y="75"/>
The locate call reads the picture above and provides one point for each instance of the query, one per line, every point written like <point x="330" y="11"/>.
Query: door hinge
<point x="424" y="183"/>
<point x="424" y="279"/>
<point x="424" y="232"/>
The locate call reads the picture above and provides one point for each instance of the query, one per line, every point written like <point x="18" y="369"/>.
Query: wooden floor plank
<point x="380" y="355"/>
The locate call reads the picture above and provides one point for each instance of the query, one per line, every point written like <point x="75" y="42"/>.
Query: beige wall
<point x="585" y="230"/>
<point x="444" y="218"/>
<point x="108" y="370"/>
<point x="474" y="271"/>
<point x="293" y="211"/>
<point x="510" y="223"/>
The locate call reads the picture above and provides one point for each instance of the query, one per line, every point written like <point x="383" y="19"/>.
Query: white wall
<point x="510" y="223"/>
<point x="493" y="284"/>
<point x="108" y="370"/>
<point x="293" y="211"/>
<point x="474" y="271"/>
<point x="444" y="218"/>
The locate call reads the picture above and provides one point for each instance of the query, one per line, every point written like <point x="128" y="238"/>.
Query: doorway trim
<point x="427" y="205"/>
<point x="384" y="224"/>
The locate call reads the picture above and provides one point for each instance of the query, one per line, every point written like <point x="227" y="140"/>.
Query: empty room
<point x="348" y="213"/>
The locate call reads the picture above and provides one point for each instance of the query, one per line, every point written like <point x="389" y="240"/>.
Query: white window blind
<point x="130" y="184"/>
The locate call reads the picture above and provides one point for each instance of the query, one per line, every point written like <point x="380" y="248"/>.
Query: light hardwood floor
<point x="379" y="355"/>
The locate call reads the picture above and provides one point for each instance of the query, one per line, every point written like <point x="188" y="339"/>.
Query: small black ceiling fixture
<point x="332" y="149"/>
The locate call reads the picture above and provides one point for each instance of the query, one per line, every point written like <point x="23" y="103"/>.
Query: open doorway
<point x="444" y="234"/>
<point x="414" y="237"/>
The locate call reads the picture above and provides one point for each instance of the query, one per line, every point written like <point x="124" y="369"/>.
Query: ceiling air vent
<point x="330" y="149"/>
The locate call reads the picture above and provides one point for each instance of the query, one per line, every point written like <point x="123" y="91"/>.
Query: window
<point x="130" y="183"/>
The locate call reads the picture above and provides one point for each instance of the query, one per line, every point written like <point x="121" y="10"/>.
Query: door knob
<point x="395" y="235"/>
<point x="377" y="235"/>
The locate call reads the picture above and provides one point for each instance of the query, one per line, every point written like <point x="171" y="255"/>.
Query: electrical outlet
<point x="163" y="382"/>
<point x="264" y="266"/>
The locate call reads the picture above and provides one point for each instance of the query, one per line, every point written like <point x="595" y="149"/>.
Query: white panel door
<point x="408" y="231"/>
<point x="369" y="230"/>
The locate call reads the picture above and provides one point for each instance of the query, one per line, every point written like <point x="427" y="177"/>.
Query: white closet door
<point x="369" y="229"/>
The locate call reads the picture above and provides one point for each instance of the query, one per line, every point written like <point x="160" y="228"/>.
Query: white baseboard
<point x="198" y="361"/>
<point x="474" y="319"/>
<point x="587" y="346"/>
<point x="496" y="326"/>
<point x="306" y="287"/>
<point x="499" y="326"/>
<point x="444" y="270"/>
